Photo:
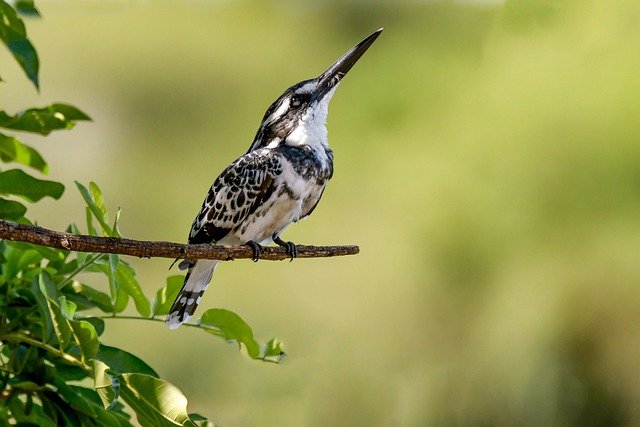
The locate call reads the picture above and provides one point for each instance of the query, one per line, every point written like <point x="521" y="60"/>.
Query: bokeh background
<point x="487" y="163"/>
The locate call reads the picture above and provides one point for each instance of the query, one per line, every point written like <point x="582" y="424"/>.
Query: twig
<point x="18" y="337"/>
<point x="148" y="249"/>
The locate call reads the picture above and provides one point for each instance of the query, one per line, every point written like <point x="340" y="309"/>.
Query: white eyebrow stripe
<point x="284" y="106"/>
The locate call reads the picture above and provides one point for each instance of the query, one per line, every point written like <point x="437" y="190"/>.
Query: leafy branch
<point x="227" y="325"/>
<point x="21" y="338"/>
<point x="52" y="321"/>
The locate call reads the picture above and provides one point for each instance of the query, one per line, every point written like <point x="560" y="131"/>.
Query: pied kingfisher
<point x="278" y="181"/>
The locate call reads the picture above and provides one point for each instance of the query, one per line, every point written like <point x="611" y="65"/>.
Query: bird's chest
<point x="296" y="189"/>
<point x="304" y="176"/>
<point x="305" y="169"/>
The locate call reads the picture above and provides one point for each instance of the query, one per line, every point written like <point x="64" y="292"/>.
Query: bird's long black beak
<point x="335" y="73"/>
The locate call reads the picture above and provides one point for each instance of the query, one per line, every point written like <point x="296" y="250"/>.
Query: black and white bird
<point x="279" y="180"/>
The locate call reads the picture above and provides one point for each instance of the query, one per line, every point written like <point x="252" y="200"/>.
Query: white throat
<point x="312" y="127"/>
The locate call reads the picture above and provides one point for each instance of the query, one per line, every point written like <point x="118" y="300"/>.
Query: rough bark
<point x="148" y="249"/>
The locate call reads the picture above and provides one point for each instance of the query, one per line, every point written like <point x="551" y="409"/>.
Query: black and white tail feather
<point x="195" y="283"/>
<point x="279" y="180"/>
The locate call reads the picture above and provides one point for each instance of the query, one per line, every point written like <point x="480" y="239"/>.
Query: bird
<point x="278" y="181"/>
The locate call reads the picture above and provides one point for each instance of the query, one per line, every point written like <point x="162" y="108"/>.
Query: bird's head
<point x="299" y="115"/>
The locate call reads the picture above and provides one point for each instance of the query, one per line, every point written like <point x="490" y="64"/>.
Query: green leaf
<point x="229" y="325"/>
<point x="22" y="356"/>
<point x="26" y="386"/>
<point x="14" y="36"/>
<point x="106" y="385"/>
<point x="10" y="20"/>
<point x="12" y="150"/>
<point x="115" y="231"/>
<point x="88" y="402"/>
<point x="27" y="258"/>
<point x="97" y="323"/>
<point x="52" y="295"/>
<point x="68" y="308"/>
<point x="19" y="259"/>
<point x="100" y="299"/>
<point x="96" y="196"/>
<point x="123" y="362"/>
<point x="26" y="7"/>
<point x="57" y="409"/>
<point x="51" y="254"/>
<point x="75" y="399"/>
<point x="15" y="181"/>
<point x="73" y="228"/>
<point x="86" y="337"/>
<point x="43" y="306"/>
<point x="43" y="120"/>
<point x="122" y="300"/>
<point x="89" y="217"/>
<point x="127" y="281"/>
<point x="156" y="402"/>
<point x="165" y="296"/>
<point x="273" y="352"/>
<point x="200" y="420"/>
<point x="108" y="265"/>
<point x="11" y="210"/>
<point x="34" y="417"/>
<point x="69" y="111"/>
<point x="68" y="372"/>
<point x="96" y="207"/>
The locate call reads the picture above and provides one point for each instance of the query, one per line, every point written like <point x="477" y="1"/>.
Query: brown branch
<point x="147" y="249"/>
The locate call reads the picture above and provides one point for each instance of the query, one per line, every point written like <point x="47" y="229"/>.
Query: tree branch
<point x="148" y="249"/>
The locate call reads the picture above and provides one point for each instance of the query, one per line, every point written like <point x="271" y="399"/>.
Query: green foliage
<point x="14" y="35"/>
<point x="26" y="7"/>
<point x="12" y="150"/>
<point x="11" y="210"/>
<point x="51" y="323"/>
<point x="19" y="183"/>
<point x="231" y="327"/>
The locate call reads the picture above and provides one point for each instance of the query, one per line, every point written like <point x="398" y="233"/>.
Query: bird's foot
<point x="257" y="249"/>
<point x="292" y="249"/>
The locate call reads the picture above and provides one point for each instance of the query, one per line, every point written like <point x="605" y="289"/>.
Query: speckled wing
<point x="239" y="190"/>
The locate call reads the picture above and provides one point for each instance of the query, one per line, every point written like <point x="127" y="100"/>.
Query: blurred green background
<point x="487" y="163"/>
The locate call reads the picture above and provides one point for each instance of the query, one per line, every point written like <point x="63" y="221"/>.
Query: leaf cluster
<point x="55" y="368"/>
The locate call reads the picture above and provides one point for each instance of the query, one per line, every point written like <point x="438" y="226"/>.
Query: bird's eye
<point x="296" y="101"/>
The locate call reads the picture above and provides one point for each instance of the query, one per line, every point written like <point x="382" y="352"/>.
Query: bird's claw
<point x="257" y="249"/>
<point x="292" y="248"/>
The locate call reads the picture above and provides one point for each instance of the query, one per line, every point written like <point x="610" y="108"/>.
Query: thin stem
<point x="155" y="319"/>
<point x="79" y="270"/>
<point x="115" y="316"/>
<point x="207" y="328"/>
<point x="66" y="357"/>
